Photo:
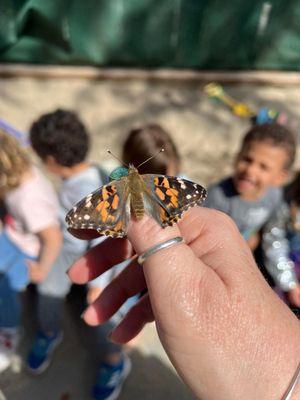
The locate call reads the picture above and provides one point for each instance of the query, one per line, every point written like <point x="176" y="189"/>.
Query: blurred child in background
<point x="254" y="191"/>
<point x="281" y="244"/>
<point x="140" y="144"/>
<point x="145" y="142"/>
<point x="61" y="141"/>
<point x="30" y="239"/>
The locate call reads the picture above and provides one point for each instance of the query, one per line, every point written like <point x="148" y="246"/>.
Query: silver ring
<point x="168" y="243"/>
<point x="292" y="385"/>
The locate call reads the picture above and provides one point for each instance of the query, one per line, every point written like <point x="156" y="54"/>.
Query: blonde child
<point x="30" y="239"/>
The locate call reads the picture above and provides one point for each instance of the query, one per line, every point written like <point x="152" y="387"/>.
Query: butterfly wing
<point x="167" y="197"/>
<point x="104" y="210"/>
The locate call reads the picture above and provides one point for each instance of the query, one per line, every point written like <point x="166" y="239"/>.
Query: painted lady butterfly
<point x="109" y="208"/>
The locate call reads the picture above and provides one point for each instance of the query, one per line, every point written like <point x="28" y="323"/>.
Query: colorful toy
<point x="263" y="116"/>
<point x="216" y="91"/>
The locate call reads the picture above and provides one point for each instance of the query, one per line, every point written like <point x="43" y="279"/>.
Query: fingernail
<point x="89" y="315"/>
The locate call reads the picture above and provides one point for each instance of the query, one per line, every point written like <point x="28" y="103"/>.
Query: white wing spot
<point x="188" y="196"/>
<point x="86" y="217"/>
<point x="88" y="204"/>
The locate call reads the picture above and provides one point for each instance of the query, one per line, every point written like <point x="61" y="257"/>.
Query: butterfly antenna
<point x="117" y="158"/>
<point x="150" y="158"/>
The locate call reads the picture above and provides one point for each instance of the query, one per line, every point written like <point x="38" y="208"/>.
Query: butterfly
<point x="108" y="209"/>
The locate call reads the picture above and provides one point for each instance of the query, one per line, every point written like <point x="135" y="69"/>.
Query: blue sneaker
<point x="40" y="354"/>
<point x="110" y="379"/>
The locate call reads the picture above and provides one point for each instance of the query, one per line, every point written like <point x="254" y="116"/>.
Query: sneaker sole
<point x="47" y="362"/>
<point x="127" y="369"/>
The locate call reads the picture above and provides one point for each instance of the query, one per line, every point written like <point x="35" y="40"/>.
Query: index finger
<point x="99" y="259"/>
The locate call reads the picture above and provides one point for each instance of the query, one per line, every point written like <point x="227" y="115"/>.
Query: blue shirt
<point x="249" y="216"/>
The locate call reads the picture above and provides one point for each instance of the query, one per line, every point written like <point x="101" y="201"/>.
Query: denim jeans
<point x="13" y="279"/>
<point x="53" y="290"/>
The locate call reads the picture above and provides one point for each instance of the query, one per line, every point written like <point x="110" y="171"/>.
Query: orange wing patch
<point x="115" y="202"/>
<point x="102" y="208"/>
<point x="108" y="191"/>
<point x="106" y="204"/>
<point x="173" y="193"/>
<point x="160" y="194"/>
<point x="165" y="183"/>
<point x="105" y="194"/>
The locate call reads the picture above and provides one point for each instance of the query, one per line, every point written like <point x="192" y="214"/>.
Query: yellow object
<point x="240" y="109"/>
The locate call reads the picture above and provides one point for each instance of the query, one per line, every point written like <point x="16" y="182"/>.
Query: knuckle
<point x="222" y="219"/>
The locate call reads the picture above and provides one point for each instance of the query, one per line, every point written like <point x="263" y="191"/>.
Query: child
<point x="144" y="142"/>
<point x="253" y="192"/>
<point x="281" y="244"/>
<point x="62" y="142"/>
<point x="140" y="144"/>
<point x="30" y="240"/>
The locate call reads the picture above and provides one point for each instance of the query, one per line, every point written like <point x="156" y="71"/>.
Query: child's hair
<point x="277" y="135"/>
<point x="62" y="135"/>
<point x="146" y="141"/>
<point x="13" y="163"/>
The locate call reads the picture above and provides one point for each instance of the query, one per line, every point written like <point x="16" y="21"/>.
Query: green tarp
<point x="201" y="34"/>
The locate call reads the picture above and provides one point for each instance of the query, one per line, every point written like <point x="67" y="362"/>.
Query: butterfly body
<point x="136" y="187"/>
<point x="109" y="208"/>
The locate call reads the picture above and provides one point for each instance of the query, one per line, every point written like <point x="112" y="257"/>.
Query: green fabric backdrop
<point x="201" y="34"/>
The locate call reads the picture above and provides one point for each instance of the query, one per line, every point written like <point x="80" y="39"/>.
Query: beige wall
<point x="207" y="134"/>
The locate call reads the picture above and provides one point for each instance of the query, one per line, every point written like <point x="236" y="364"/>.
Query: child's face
<point x="258" y="166"/>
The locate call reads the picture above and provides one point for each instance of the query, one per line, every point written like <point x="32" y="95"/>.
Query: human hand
<point x="37" y="271"/>
<point x="223" y="328"/>
<point x="93" y="293"/>
<point x="294" y="295"/>
<point x="253" y="241"/>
